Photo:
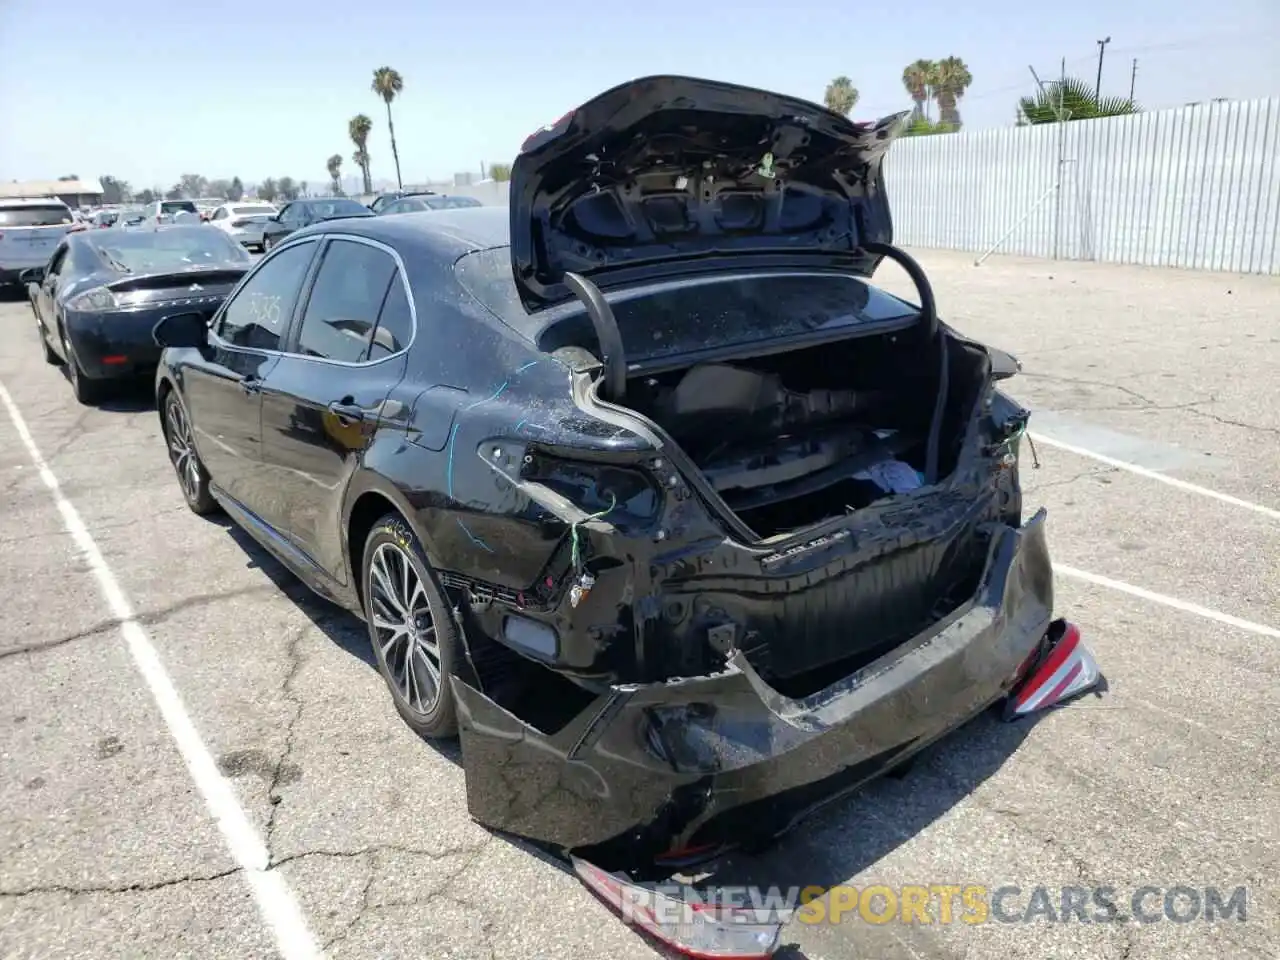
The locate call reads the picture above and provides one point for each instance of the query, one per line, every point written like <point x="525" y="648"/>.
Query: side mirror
<point x="31" y="275"/>
<point x="182" y="330"/>
<point x="1003" y="365"/>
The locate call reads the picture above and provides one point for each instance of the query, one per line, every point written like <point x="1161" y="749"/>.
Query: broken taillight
<point x="1068" y="669"/>
<point x="694" y="929"/>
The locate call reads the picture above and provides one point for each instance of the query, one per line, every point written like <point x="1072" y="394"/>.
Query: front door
<point x="324" y="400"/>
<point x="222" y="387"/>
<point x="45" y="298"/>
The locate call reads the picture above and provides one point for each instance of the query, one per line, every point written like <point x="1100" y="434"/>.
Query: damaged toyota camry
<point x="640" y="486"/>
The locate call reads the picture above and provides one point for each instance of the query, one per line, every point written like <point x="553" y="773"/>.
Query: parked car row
<point x="693" y="530"/>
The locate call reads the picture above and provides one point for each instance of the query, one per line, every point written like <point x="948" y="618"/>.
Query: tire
<point x="87" y="390"/>
<point x="391" y="541"/>
<point x="193" y="478"/>
<point x="50" y="357"/>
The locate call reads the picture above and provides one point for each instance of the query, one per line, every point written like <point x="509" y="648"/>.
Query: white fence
<point x="1195" y="187"/>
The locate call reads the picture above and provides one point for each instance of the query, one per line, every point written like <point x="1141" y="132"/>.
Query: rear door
<point x="222" y="386"/>
<point x="29" y="233"/>
<point x="323" y="401"/>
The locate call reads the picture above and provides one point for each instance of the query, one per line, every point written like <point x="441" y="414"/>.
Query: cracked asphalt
<point x="1169" y="778"/>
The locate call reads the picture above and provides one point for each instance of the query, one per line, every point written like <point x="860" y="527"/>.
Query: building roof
<point x="51" y="188"/>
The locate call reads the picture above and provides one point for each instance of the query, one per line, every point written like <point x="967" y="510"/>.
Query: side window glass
<point x="259" y="314"/>
<point x="56" y="261"/>
<point x="345" y="299"/>
<point x="395" y="322"/>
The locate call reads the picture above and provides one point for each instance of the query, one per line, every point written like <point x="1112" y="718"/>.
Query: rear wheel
<point x="192" y="476"/>
<point x="411" y="627"/>
<point x="50" y="357"/>
<point x="87" y="390"/>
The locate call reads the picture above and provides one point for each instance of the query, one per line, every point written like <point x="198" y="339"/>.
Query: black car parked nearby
<point x="640" y="485"/>
<point x="102" y="292"/>
<point x="303" y="213"/>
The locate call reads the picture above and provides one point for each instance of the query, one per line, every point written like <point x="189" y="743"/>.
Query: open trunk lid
<point x="668" y="176"/>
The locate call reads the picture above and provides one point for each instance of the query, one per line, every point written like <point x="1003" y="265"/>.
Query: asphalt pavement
<point x="116" y="842"/>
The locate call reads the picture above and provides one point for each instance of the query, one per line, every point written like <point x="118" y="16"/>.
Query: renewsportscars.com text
<point x="945" y="903"/>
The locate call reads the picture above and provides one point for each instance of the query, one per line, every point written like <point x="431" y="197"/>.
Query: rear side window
<point x="395" y="323"/>
<point x="345" y="301"/>
<point x="178" y="206"/>
<point x="259" y="313"/>
<point x="31" y="215"/>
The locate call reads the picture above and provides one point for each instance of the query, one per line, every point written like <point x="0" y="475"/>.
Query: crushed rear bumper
<point x="705" y="761"/>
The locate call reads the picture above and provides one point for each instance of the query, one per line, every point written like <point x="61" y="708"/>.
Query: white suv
<point x="29" y="231"/>
<point x="167" y="211"/>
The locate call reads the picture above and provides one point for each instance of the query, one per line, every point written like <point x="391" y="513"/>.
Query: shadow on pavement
<point x="827" y="848"/>
<point x="836" y="844"/>
<point x="346" y="631"/>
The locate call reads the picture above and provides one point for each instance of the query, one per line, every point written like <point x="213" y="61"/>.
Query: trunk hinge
<point x="612" y="356"/>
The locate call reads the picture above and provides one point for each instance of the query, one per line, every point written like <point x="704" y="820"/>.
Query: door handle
<point x="251" y="385"/>
<point x="347" y="413"/>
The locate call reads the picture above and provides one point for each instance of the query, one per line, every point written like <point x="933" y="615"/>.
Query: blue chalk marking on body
<point x="449" y="473"/>
<point x="496" y="394"/>
<point x="474" y="539"/>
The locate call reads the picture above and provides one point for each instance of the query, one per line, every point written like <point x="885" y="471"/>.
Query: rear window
<point x="666" y="320"/>
<point x="452" y="203"/>
<point x="338" y="208"/>
<point x="178" y="206"/>
<point x="173" y="249"/>
<point x="31" y="215"/>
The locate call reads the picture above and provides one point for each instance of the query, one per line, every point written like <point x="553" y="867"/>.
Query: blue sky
<point x="149" y="89"/>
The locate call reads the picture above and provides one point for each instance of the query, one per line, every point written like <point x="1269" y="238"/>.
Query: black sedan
<point x="640" y="485"/>
<point x="102" y="292"/>
<point x="303" y="213"/>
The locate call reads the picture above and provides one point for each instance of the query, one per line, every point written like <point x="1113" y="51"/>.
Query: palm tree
<point x="841" y="95"/>
<point x="334" y="164"/>
<point x="918" y="79"/>
<point x="361" y="160"/>
<point x="1074" y="99"/>
<point x="951" y="79"/>
<point x="358" y="128"/>
<point x="388" y="84"/>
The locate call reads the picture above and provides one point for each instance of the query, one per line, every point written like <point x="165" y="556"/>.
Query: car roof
<point x="457" y="231"/>
<point x="30" y="201"/>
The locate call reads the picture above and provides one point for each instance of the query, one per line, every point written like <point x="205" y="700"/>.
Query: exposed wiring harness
<point x="575" y="546"/>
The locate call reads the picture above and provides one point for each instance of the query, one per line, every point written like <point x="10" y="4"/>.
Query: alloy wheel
<point x="73" y="368"/>
<point x="405" y="628"/>
<point x="182" y="451"/>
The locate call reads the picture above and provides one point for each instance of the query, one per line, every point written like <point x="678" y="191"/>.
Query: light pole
<point x="1102" y="48"/>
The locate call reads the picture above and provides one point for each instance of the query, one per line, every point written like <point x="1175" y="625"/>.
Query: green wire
<point x="576" y="554"/>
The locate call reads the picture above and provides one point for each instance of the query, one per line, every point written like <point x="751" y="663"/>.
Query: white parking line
<point x="1097" y="579"/>
<point x="1155" y="475"/>
<point x="276" y="902"/>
